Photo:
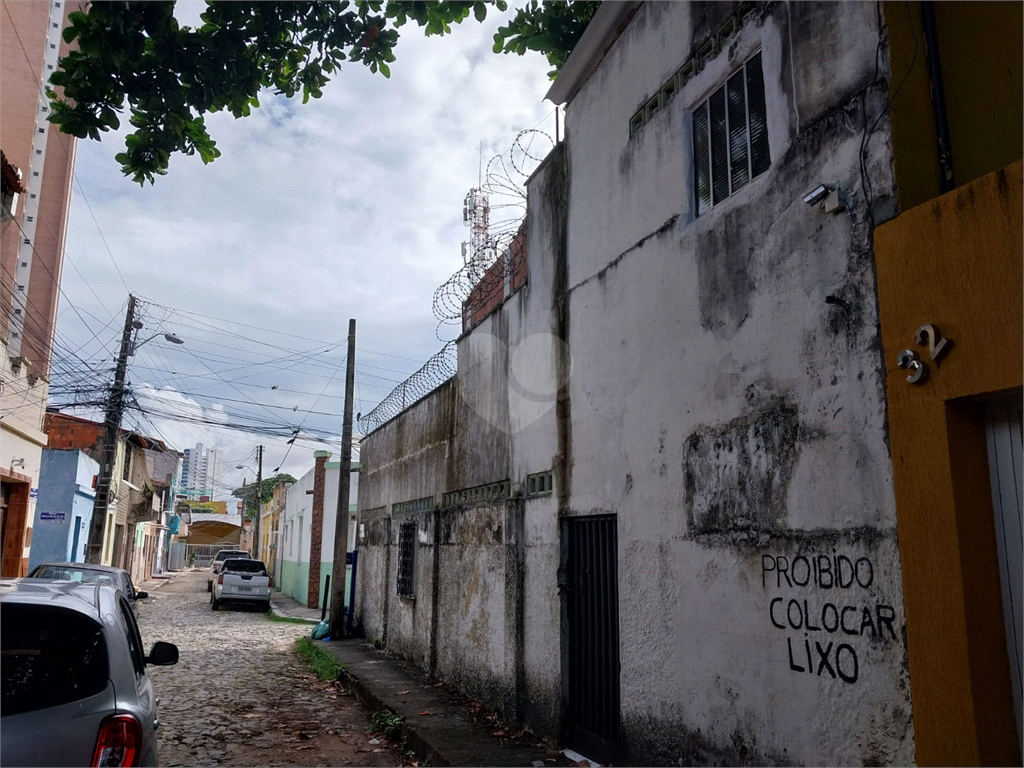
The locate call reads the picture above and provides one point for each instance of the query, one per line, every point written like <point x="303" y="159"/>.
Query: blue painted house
<point x="63" y="507"/>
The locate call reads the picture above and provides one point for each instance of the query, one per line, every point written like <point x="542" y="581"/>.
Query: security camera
<point x="816" y="195"/>
<point x="829" y="196"/>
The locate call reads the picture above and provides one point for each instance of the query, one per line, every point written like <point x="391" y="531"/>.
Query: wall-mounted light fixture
<point x="829" y="196"/>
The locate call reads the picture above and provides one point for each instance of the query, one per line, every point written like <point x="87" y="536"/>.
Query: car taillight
<point x="220" y="579"/>
<point x="271" y="584"/>
<point x="119" y="742"/>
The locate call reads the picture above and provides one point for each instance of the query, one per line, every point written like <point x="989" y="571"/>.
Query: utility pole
<point x="256" y="554"/>
<point x="344" y="486"/>
<point x="111" y="428"/>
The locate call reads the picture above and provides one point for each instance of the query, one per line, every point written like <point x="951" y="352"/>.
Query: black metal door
<point x="590" y="636"/>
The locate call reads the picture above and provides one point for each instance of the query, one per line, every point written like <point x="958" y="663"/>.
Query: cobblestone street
<point x="239" y="696"/>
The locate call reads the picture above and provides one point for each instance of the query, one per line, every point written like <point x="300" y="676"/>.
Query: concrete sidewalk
<point x="157" y="581"/>
<point x="435" y="723"/>
<point x="290" y="608"/>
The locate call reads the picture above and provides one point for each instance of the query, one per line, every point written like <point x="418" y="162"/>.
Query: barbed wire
<point x="492" y="262"/>
<point x="435" y="372"/>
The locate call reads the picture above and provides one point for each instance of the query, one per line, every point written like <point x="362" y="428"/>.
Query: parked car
<point x="87" y="573"/>
<point x="75" y="690"/>
<point x="218" y="560"/>
<point x="242" y="581"/>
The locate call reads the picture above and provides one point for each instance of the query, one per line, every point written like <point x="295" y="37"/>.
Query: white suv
<point x="218" y="561"/>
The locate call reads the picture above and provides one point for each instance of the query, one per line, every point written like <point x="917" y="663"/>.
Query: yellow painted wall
<point x="955" y="262"/>
<point x="980" y="47"/>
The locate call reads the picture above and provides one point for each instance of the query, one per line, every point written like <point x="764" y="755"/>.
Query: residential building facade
<point x="305" y="556"/>
<point x="37" y="163"/>
<point x="140" y="488"/>
<point x="702" y="487"/>
<point x="270" y="521"/>
<point x="67" y="493"/>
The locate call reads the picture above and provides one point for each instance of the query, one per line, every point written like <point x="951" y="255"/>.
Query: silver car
<point x="92" y="574"/>
<point x="74" y="684"/>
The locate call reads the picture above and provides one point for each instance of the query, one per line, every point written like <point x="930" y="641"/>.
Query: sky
<point x="349" y="206"/>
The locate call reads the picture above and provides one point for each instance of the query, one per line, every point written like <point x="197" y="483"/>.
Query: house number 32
<point x="938" y="347"/>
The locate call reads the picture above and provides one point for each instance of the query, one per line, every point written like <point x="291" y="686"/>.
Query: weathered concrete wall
<point x="731" y="417"/>
<point x="493" y="581"/>
<point x="401" y="458"/>
<point x="472" y="649"/>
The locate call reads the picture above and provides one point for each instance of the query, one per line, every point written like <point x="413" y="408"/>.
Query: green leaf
<point x="479" y="11"/>
<point x="385" y="70"/>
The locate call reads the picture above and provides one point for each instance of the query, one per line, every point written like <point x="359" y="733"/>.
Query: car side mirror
<point x="141" y="595"/>
<point x="162" y="654"/>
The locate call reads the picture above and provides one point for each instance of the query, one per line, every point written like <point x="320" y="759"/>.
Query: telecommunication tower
<point x="477" y="253"/>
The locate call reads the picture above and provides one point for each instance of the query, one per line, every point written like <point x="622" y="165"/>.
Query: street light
<point x="259" y="491"/>
<point x="169" y="336"/>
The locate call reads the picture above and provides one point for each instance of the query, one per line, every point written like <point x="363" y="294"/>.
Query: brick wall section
<point x="489" y="292"/>
<point x="70" y="432"/>
<point x="316" y="529"/>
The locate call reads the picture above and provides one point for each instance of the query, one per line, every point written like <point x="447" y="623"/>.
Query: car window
<point x="244" y="566"/>
<point x="129" y="587"/>
<point x="83" y="575"/>
<point x="51" y="656"/>
<point x="133" y="637"/>
<point x="225" y="554"/>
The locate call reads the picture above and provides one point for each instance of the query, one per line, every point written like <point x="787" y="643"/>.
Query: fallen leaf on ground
<point x="426" y="712"/>
<point x="250" y="716"/>
<point x="499" y="732"/>
<point x="401" y="693"/>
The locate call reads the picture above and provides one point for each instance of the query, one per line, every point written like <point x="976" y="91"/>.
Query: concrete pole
<point x="344" y="487"/>
<point x="111" y="428"/>
<point x="256" y="554"/>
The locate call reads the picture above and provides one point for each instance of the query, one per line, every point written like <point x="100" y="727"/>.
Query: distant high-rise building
<point x="200" y="470"/>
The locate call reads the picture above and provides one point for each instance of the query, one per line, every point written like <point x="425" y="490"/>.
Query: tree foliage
<point x="135" y="56"/>
<point x="247" y="493"/>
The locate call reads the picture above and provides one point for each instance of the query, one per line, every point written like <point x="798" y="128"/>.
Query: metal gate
<point x="588" y="581"/>
<point x="176" y="556"/>
<point x="205" y="552"/>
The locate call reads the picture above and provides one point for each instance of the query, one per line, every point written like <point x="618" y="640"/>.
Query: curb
<point x="277" y="611"/>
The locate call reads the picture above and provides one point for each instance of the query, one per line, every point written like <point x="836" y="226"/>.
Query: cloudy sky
<point x="348" y="206"/>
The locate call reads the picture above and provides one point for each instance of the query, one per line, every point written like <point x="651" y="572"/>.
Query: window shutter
<point x="738" y="169"/>
<point x="719" y="147"/>
<point x="701" y="158"/>
<point x="760" y="158"/>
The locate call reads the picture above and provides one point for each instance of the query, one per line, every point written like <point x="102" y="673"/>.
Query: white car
<point x="242" y="581"/>
<point x="218" y="561"/>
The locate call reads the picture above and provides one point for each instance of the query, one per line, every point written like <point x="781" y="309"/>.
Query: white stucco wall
<point x="724" y="411"/>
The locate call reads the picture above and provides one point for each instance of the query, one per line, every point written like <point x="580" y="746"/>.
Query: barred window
<point x="540" y="484"/>
<point x="416" y="505"/>
<point x="730" y="136"/>
<point x="406" y="559"/>
<point x="479" y="494"/>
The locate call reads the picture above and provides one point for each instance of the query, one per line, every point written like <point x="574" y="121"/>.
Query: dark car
<point x="74" y="685"/>
<point x="87" y="573"/>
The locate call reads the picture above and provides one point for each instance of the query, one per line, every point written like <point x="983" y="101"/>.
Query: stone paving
<point x="239" y="696"/>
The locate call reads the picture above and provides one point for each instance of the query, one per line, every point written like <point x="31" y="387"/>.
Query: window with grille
<point x="406" y="558"/>
<point x="730" y="136"/>
<point x="540" y="484"/>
